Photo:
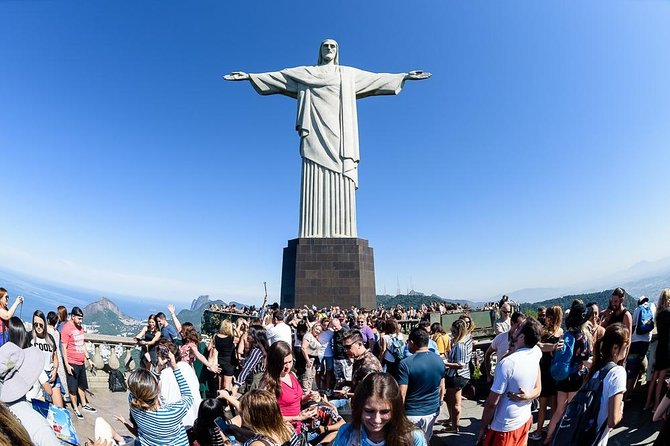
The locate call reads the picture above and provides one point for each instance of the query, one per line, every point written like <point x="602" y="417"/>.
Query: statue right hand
<point x="236" y="76"/>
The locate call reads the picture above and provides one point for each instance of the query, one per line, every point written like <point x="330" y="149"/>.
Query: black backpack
<point x="579" y="424"/>
<point x="116" y="382"/>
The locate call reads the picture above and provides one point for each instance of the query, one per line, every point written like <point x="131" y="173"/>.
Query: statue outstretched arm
<point x="237" y="76"/>
<point x="417" y="75"/>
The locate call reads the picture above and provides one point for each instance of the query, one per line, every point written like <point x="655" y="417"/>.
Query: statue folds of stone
<point x="328" y="128"/>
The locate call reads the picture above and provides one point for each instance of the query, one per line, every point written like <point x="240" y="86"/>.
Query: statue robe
<point x="328" y="127"/>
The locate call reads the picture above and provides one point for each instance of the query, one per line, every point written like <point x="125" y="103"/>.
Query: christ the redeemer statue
<point x="328" y="128"/>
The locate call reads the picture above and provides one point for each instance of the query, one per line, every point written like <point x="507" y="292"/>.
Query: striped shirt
<point x="164" y="426"/>
<point x="461" y="353"/>
<point x="255" y="363"/>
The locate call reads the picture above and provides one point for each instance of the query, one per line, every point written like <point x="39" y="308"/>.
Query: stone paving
<point x="636" y="428"/>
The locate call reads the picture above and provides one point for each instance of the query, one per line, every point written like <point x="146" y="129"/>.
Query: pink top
<point x="289" y="400"/>
<point x="73" y="338"/>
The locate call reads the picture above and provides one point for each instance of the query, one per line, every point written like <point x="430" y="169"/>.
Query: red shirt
<point x="73" y="338"/>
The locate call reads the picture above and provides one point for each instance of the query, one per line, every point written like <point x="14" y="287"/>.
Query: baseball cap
<point x="76" y="311"/>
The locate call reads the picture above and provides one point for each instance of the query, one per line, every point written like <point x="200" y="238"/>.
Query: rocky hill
<point x="103" y="304"/>
<point x="105" y="317"/>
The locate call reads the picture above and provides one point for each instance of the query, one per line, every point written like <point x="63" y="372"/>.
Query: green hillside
<point x="602" y="298"/>
<point x="108" y="323"/>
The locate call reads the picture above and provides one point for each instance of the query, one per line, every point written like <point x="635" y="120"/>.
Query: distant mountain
<point x="199" y="302"/>
<point x="102" y="305"/>
<point x="416" y="299"/>
<point x="535" y="294"/>
<point x="45" y="295"/>
<point x="194" y="316"/>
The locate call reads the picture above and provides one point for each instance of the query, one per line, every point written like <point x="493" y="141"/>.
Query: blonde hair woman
<point x="259" y="412"/>
<point x="458" y="370"/>
<point x="662" y="356"/>
<point x="223" y="352"/>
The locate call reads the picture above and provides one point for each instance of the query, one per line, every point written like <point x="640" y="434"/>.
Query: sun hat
<point x="642" y="300"/>
<point x="19" y="370"/>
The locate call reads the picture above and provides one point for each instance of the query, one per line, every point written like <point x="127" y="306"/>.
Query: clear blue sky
<point x="536" y="155"/>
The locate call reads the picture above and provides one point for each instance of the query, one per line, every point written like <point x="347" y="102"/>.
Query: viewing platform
<point x="635" y="429"/>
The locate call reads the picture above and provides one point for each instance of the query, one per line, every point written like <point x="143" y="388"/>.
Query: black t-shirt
<point x="338" y="346"/>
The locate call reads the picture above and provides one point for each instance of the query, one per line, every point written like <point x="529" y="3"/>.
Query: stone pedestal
<point x="328" y="271"/>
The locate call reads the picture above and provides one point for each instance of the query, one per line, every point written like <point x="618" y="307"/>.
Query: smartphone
<point x="220" y="422"/>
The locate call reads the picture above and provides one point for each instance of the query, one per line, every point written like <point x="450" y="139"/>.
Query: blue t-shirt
<point x="169" y="332"/>
<point x="422" y="373"/>
<point x="345" y="437"/>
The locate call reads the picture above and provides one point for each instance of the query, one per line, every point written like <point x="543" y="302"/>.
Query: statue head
<point x="329" y="50"/>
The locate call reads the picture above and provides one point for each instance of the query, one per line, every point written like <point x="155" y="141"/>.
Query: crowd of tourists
<point x="291" y="376"/>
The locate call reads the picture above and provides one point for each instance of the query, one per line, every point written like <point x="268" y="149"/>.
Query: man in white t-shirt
<point x="280" y="331"/>
<point x="639" y="343"/>
<point x="507" y="411"/>
<point x="500" y="344"/>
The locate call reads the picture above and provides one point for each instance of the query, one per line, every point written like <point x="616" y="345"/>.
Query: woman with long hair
<point x="662" y="355"/>
<point x="62" y="317"/>
<point x="282" y="382"/>
<point x="391" y="332"/>
<point x="148" y="338"/>
<point x="222" y="347"/>
<point x="52" y="321"/>
<point x="378" y="416"/>
<point x="18" y="335"/>
<point x="612" y="347"/>
<point x="576" y="326"/>
<point x="205" y="431"/>
<point x="311" y="349"/>
<point x="457" y="375"/>
<point x="6" y="312"/>
<point x="157" y="423"/>
<point x="552" y="333"/>
<point x="260" y="413"/>
<point x="441" y="338"/>
<point x="47" y="344"/>
<point x="255" y="363"/>
<point x="190" y="341"/>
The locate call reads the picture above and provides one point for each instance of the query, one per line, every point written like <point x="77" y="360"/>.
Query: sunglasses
<point x="38" y="324"/>
<point x="348" y="346"/>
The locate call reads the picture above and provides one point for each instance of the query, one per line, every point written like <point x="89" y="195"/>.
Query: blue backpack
<point x="645" y="322"/>
<point x="397" y="348"/>
<point x="579" y="424"/>
<point x="560" y="364"/>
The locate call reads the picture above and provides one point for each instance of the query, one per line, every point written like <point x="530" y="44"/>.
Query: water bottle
<point x="233" y="441"/>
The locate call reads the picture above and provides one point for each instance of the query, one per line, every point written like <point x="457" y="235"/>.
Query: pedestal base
<point x="328" y="271"/>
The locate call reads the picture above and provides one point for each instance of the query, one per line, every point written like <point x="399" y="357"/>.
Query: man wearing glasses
<point x="504" y="323"/>
<point x="364" y="361"/>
